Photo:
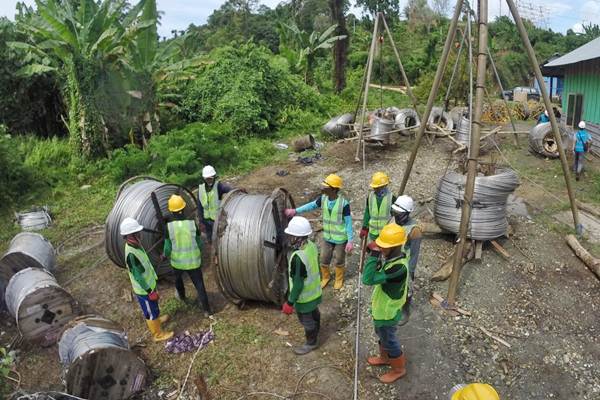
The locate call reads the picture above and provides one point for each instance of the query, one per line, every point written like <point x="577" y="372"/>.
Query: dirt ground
<point x="542" y="302"/>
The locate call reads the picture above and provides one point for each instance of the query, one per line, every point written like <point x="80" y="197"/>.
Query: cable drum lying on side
<point x="26" y="250"/>
<point x="541" y="140"/>
<point x="134" y="200"/>
<point x="339" y="126"/>
<point x="249" y="245"/>
<point x="458" y="112"/>
<point x="97" y="360"/>
<point x="406" y="118"/>
<point x="488" y="217"/>
<point x="440" y="118"/>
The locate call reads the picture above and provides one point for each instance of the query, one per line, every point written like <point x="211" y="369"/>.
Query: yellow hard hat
<point x="333" y="181"/>
<point x="476" y="391"/>
<point x="176" y="203"/>
<point x="392" y="235"/>
<point x="379" y="179"/>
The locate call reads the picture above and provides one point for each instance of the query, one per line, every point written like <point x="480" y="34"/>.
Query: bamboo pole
<point x="433" y="94"/>
<point x="473" y="151"/>
<point x="409" y="91"/>
<point x="548" y="105"/>
<point x="366" y="91"/>
<point x="512" y="120"/>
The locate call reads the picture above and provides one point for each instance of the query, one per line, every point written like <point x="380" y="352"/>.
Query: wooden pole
<point x="439" y="73"/>
<point x="589" y="260"/>
<point x="366" y="91"/>
<point x="409" y="91"/>
<point x="538" y="75"/>
<point x="473" y="151"/>
<point x="512" y="120"/>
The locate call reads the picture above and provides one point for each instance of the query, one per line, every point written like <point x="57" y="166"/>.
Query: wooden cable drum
<point x="39" y="305"/>
<point x="406" y="119"/>
<point x="134" y="199"/>
<point x="441" y="118"/>
<point x="98" y="363"/>
<point x="542" y="142"/>
<point x="26" y="250"/>
<point x="249" y="246"/>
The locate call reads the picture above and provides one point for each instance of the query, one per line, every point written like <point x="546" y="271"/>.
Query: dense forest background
<point x="90" y="92"/>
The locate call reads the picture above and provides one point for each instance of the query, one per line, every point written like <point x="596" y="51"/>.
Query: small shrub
<point x="16" y="178"/>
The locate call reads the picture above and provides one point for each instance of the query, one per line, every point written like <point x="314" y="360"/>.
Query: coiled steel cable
<point x="441" y="118"/>
<point x="541" y="140"/>
<point x="134" y="200"/>
<point x="89" y="333"/>
<point x="25" y="282"/>
<point x="488" y="215"/>
<point x="249" y="246"/>
<point x="405" y="119"/>
<point x="462" y="131"/>
<point x="339" y="126"/>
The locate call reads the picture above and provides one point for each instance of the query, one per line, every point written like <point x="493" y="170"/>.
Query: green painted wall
<point x="584" y="78"/>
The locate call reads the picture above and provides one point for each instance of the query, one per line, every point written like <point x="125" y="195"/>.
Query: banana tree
<point x="87" y="43"/>
<point x="301" y="47"/>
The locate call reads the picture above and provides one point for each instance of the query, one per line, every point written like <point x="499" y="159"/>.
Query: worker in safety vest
<point x="183" y="245"/>
<point x="337" y="228"/>
<point x="401" y="210"/>
<point x="386" y="269"/>
<point x="304" y="282"/>
<point x="210" y="193"/>
<point x="143" y="278"/>
<point x="473" y="391"/>
<point x="379" y="205"/>
<point x="543" y="117"/>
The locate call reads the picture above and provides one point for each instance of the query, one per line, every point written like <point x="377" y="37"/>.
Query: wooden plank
<point x="588" y="208"/>
<point x="500" y="250"/>
<point x="478" y="249"/>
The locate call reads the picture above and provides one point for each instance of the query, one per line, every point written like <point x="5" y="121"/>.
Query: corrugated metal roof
<point x="588" y="51"/>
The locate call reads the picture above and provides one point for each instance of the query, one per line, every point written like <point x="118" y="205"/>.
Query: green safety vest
<point x="333" y="221"/>
<point x="149" y="274"/>
<point x="209" y="200"/>
<point x="309" y="254"/>
<point x="185" y="253"/>
<point x="383" y="307"/>
<point x="379" y="216"/>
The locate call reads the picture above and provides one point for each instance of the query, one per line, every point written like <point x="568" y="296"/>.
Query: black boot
<point x="310" y="345"/>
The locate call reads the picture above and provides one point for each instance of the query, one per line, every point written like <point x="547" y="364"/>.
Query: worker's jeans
<point x="389" y="341"/>
<point x="312" y="323"/>
<point x="198" y="281"/>
<point x="208" y="224"/>
<point x="578" y="158"/>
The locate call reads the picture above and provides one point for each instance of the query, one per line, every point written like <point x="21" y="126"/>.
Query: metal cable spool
<point x="462" y="130"/>
<point x="406" y="118"/>
<point x="26" y="250"/>
<point x="440" y="118"/>
<point x="339" y="126"/>
<point x="249" y="246"/>
<point x="39" y="305"/>
<point x="488" y="217"/>
<point x="134" y="199"/>
<point x="98" y="363"/>
<point x="541" y="140"/>
<point x="34" y="220"/>
<point x="380" y="129"/>
<point x="458" y="112"/>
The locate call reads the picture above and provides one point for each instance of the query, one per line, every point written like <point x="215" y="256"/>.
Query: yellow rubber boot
<point x="339" y="277"/>
<point x="164" y="318"/>
<point x="325" y="275"/>
<point x="157" y="333"/>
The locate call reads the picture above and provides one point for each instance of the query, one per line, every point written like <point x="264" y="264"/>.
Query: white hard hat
<point x="403" y="204"/>
<point x="129" y="226"/>
<point x="208" y="172"/>
<point x="546" y="112"/>
<point x="581" y="125"/>
<point x="298" y="226"/>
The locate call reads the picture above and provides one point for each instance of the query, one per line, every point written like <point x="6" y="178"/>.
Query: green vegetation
<point x="6" y="364"/>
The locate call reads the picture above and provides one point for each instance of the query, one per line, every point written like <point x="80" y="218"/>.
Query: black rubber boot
<point x="310" y="345"/>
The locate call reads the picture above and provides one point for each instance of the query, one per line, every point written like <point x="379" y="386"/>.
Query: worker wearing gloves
<point x="183" y="245"/>
<point x="337" y="228"/>
<point x="379" y="205"/>
<point x="386" y="269"/>
<point x="473" y="391"/>
<point x="401" y="210"/>
<point x="210" y="194"/>
<point x="143" y="278"/>
<point x="304" y="282"/>
<point x="543" y="117"/>
<point x="581" y="142"/>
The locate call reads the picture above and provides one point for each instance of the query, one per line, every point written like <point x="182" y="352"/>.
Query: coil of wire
<point x="134" y="200"/>
<point x="457" y="112"/>
<point x="462" y="130"/>
<point x="440" y="118"/>
<point x="541" y="140"/>
<point x="405" y="119"/>
<point x="249" y="246"/>
<point x="488" y="218"/>
<point x="339" y="126"/>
